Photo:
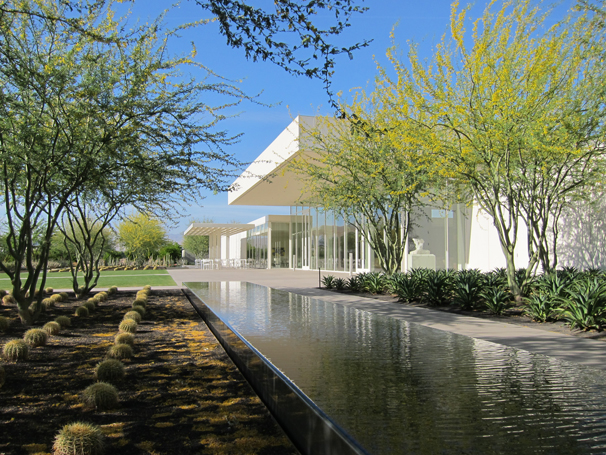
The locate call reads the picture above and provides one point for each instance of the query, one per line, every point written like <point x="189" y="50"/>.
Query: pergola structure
<point x="215" y="231"/>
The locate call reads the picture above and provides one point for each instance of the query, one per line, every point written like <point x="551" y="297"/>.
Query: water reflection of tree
<point x="583" y="235"/>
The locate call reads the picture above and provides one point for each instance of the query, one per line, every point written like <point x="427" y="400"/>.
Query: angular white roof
<point x="266" y="181"/>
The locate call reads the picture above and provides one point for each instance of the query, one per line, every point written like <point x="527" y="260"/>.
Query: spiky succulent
<point x="128" y="326"/>
<point x="9" y="300"/>
<point x="35" y="337"/>
<point x="100" y="396"/>
<point x="134" y="315"/>
<point x="90" y="305"/>
<point x="139" y="309"/>
<point x="15" y="350"/>
<point x="79" y="438"/>
<point x="125" y="338"/>
<point x="4" y="324"/>
<point x="52" y="328"/>
<point x="49" y="290"/>
<point x="63" y="321"/>
<point x="110" y="370"/>
<point x="82" y="311"/>
<point x="140" y="302"/>
<point x="48" y="303"/>
<point x="120" y="352"/>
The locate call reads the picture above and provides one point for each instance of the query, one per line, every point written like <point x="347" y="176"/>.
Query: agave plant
<point x="374" y="282"/>
<point x="409" y="287"/>
<point x="468" y="289"/>
<point x="540" y="306"/>
<point x="353" y="283"/>
<point x="555" y="284"/>
<point x="438" y="287"/>
<point x="328" y="281"/>
<point x="585" y="304"/>
<point x="497" y="300"/>
<point x="339" y="284"/>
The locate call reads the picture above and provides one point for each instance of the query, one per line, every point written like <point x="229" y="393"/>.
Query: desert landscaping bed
<point x="181" y="394"/>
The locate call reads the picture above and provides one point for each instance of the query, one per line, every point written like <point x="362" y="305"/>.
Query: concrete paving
<point x="562" y="346"/>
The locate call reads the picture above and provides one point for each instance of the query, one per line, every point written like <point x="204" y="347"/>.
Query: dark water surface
<point x="402" y="388"/>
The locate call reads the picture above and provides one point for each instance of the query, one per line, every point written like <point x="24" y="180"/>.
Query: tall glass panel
<point x="279" y="245"/>
<point x="351" y="246"/>
<point x="313" y="240"/>
<point x="330" y="240"/>
<point x="340" y="244"/>
<point x="321" y="239"/>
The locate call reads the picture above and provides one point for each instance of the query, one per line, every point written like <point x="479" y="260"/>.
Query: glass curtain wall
<point x="279" y="245"/>
<point x="256" y="246"/>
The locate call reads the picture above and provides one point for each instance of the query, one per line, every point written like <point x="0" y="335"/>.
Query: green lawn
<point x="120" y="278"/>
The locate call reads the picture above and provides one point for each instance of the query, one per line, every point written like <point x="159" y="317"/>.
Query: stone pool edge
<point x="308" y="427"/>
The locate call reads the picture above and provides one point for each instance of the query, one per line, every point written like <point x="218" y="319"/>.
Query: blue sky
<point x="423" y="22"/>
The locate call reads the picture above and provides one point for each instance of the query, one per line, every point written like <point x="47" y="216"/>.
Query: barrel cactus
<point x="101" y="396"/>
<point x="134" y="315"/>
<point x="120" y="352"/>
<point x="79" y="438"/>
<point x="15" y="350"/>
<point x="82" y="311"/>
<point x="52" y="328"/>
<point x="111" y="371"/>
<point x="63" y="321"/>
<point x="125" y="338"/>
<point x="128" y="326"/>
<point x="35" y="337"/>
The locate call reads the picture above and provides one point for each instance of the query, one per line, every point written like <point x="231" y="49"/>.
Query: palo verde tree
<point x="141" y="235"/>
<point x="363" y="171"/>
<point x="83" y="98"/>
<point x="514" y="113"/>
<point x="78" y="113"/>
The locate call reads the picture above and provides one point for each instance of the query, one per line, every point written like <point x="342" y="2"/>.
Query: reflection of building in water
<point x="458" y="236"/>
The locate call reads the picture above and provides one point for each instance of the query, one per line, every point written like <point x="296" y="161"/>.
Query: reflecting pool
<point x="402" y="388"/>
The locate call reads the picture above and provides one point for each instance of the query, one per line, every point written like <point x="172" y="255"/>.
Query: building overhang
<point x="217" y="229"/>
<point x="268" y="180"/>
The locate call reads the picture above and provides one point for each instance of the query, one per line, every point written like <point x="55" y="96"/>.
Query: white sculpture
<point x="419" y="246"/>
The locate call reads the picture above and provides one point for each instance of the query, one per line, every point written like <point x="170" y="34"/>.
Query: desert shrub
<point x="90" y="305"/>
<point x="134" y="315"/>
<point x="63" y="321"/>
<point x="49" y="290"/>
<point x="81" y="311"/>
<point x="79" y="438"/>
<point x="140" y="302"/>
<point x="128" y="326"/>
<point x="328" y="281"/>
<point x="9" y="300"/>
<point x="64" y="296"/>
<point x="35" y="337"/>
<point x="120" y="351"/>
<point x="111" y="370"/>
<point x="15" y="350"/>
<point x="125" y="338"/>
<point x="48" y="303"/>
<point x="2" y="376"/>
<point x="4" y="324"/>
<point x="52" y="328"/>
<point x="139" y="309"/>
<point x="100" y="396"/>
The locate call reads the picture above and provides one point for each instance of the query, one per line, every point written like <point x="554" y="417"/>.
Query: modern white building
<point x="459" y="237"/>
